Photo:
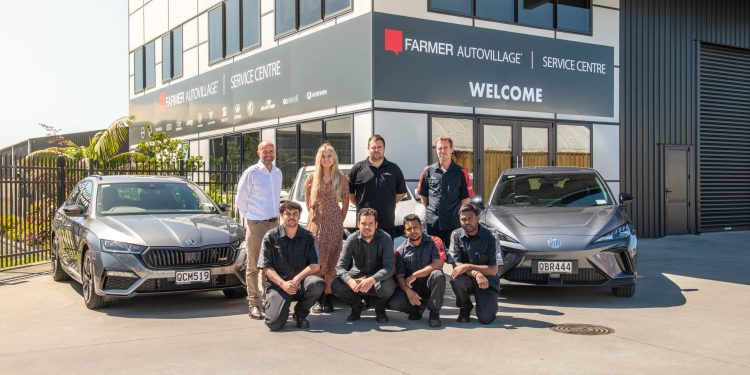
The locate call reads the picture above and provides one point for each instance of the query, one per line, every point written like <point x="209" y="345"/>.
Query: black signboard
<point x="328" y="68"/>
<point x="416" y="60"/>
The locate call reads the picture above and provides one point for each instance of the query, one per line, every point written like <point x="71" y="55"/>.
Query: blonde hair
<point x="318" y="174"/>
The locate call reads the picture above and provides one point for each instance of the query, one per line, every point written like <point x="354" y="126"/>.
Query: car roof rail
<point x="98" y="176"/>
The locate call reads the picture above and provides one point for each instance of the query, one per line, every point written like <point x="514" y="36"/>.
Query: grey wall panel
<point x="660" y="41"/>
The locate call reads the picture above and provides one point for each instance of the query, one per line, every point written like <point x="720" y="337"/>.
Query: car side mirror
<point x="284" y="196"/>
<point x="224" y="207"/>
<point x="625" y="197"/>
<point x="478" y="201"/>
<point x="74" y="210"/>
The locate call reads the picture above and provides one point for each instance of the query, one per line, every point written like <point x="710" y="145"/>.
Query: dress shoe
<point x="380" y="315"/>
<point x="356" y="312"/>
<point x="303" y="323"/>
<point x="256" y="313"/>
<point x="434" y="318"/>
<point x="464" y="316"/>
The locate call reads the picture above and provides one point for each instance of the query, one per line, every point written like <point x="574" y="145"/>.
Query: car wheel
<point x="623" y="291"/>
<point x="235" y="293"/>
<point x="58" y="274"/>
<point x="92" y="300"/>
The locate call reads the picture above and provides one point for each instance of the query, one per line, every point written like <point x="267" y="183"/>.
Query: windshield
<point x="136" y="198"/>
<point x="559" y="190"/>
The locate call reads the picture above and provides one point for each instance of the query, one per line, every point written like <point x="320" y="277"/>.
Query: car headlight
<point x="506" y="237"/>
<point x="236" y="244"/>
<point x="121" y="247"/>
<point x="620" y="232"/>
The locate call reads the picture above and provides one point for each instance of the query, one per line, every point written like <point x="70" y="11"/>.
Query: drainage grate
<point x="582" y="329"/>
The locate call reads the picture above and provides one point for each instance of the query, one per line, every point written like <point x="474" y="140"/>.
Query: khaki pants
<point x="256" y="281"/>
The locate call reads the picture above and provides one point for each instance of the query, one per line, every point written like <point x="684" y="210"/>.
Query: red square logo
<point x="394" y="41"/>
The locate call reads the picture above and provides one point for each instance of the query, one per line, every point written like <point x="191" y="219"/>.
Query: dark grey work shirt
<point x="359" y="258"/>
<point x="444" y="192"/>
<point x="376" y="187"/>
<point x="480" y="250"/>
<point x="410" y="258"/>
<point x="287" y="256"/>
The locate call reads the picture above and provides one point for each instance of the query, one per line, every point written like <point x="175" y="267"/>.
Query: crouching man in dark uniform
<point x="365" y="267"/>
<point x="289" y="258"/>
<point x="475" y="267"/>
<point x="419" y="274"/>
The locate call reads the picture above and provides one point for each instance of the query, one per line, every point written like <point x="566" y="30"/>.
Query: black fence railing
<point x="31" y="192"/>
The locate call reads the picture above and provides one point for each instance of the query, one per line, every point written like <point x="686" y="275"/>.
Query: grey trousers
<point x="382" y="291"/>
<point x="278" y="302"/>
<point x="463" y="286"/>
<point x="430" y="288"/>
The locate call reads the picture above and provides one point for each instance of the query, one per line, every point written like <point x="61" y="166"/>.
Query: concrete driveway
<point x="690" y="314"/>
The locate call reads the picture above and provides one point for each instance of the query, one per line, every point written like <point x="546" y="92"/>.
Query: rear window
<point x="552" y="190"/>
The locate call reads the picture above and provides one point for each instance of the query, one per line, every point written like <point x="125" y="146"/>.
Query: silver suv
<point x="121" y="236"/>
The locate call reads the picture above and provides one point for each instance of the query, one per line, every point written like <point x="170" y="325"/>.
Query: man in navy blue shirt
<point x="289" y="260"/>
<point x="473" y="249"/>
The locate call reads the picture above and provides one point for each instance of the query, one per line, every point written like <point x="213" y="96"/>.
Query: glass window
<point x="216" y="33"/>
<point x="231" y="27"/>
<point x="534" y="146"/>
<point x="335" y="6"/>
<point x="496" y="10"/>
<point x="573" y="145"/>
<point x="462" y="7"/>
<point x="150" y="64"/>
<point x="535" y="13"/>
<point x="574" y="15"/>
<point x="166" y="57"/>
<point x="250" y="23"/>
<point x="233" y="146"/>
<point x="497" y="154"/>
<point x="286" y="16"/>
<point x="460" y="131"/>
<point x="84" y="198"/>
<point x="73" y="195"/>
<point x="216" y="153"/>
<point x="339" y="135"/>
<point x="286" y="154"/>
<point x="309" y="12"/>
<point x="177" y="52"/>
<point x="138" y="62"/>
<point x="311" y="137"/>
<point x="250" y="143"/>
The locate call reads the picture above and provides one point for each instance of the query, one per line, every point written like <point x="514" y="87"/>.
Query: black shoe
<point x="415" y="314"/>
<point x="328" y="303"/>
<point x="380" y="315"/>
<point x="356" y="312"/>
<point x="434" y="318"/>
<point x="464" y="316"/>
<point x="303" y="323"/>
<point x="256" y="313"/>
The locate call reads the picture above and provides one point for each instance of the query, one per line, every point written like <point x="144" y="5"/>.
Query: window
<point x="250" y="143"/>
<point x="310" y="138"/>
<point x="573" y="145"/>
<point x="171" y="54"/>
<point x="292" y="15"/>
<point x="568" y="15"/>
<point x="84" y="198"/>
<point x="460" y="132"/>
<point x="233" y="27"/>
<point x="217" y="153"/>
<point x="286" y="154"/>
<point x="338" y="133"/>
<point x="143" y="63"/>
<point x="234" y="151"/>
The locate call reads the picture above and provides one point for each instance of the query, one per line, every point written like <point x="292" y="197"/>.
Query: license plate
<point x="547" y="266"/>
<point x="189" y="277"/>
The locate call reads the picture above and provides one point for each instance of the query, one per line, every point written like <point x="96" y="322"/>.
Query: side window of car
<point x="84" y="197"/>
<point x="73" y="196"/>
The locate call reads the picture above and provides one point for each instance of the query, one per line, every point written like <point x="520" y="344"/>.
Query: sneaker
<point x="356" y="312"/>
<point x="434" y="318"/>
<point x="380" y="315"/>
<point x="317" y="308"/>
<point x="464" y="316"/>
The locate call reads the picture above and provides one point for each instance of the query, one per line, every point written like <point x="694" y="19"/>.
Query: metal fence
<point x="32" y="192"/>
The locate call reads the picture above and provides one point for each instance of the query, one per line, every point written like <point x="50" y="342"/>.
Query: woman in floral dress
<point x="327" y="199"/>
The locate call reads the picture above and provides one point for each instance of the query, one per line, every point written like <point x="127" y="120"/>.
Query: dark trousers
<point x="443" y="234"/>
<point x="381" y="291"/>
<point x="430" y="288"/>
<point x="278" y="302"/>
<point x="464" y="286"/>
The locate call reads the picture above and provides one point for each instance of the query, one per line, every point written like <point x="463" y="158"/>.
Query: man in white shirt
<point x="258" y="195"/>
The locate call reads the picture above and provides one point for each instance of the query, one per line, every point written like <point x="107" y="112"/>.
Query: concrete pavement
<point x="690" y="314"/>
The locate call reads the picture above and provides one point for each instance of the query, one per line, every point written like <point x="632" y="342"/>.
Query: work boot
<point x="303" y="323"/>
<point x="356" y="312"/>
<point x="464" y="315"/>
<point x="380" y="315"/>
<point x="415" y="314"/>
<point x="434" y="318"/>
<point x="327" y="303"/>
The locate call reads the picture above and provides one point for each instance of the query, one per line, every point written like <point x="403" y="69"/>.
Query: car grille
<point x="114" y="282"/>
<point x="168" y="285"/>
<point x="167" y="258"/>
<point x="585" y="276"/>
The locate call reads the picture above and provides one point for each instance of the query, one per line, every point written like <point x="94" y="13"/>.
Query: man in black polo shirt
<point x="444" y="187"/>
<point x="289" y="258"/>
<point x="473" y="249"/>
<point x="377" y="183"/>
<point x="419" y="274"/>
<point x="365" y="268"/>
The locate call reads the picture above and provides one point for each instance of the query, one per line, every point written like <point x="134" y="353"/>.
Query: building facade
<point x="513" y="82"/>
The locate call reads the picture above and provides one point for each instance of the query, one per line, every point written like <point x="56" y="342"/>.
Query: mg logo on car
<point x="554" y="243"/>
<point x="189" y="242"/>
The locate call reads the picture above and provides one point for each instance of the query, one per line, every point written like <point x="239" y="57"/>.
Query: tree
<point x="162" y="149"/>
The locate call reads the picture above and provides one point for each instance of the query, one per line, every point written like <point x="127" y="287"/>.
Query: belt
<point x="271" y="220"/>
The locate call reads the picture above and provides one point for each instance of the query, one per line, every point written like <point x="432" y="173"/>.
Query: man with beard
<point x="473" y="249"/>
<point x="365" y="268"/>
<point x="419" y="274"/>
<point x="289" y="260"/>
<point x="258" y="196"/>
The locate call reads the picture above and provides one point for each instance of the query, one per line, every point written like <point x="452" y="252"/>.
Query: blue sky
<point x="64" y="63"/>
